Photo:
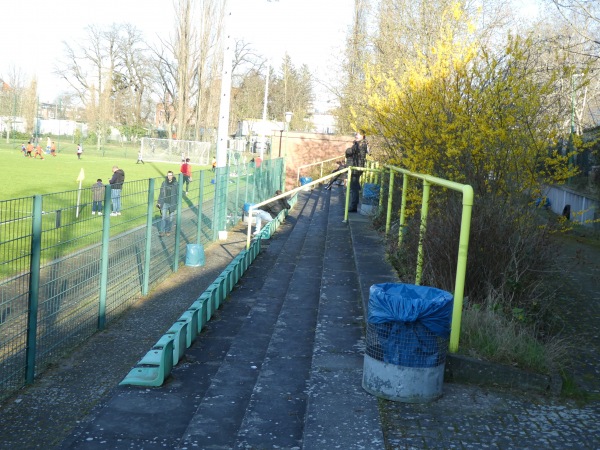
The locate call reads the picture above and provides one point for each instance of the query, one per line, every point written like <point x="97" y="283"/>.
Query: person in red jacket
<point x="186" y="170"/>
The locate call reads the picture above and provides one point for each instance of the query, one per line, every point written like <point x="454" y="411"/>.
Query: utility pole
<point x="223" y="128"/>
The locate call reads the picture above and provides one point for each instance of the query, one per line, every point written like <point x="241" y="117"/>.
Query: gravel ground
<point x="581" y="311"/>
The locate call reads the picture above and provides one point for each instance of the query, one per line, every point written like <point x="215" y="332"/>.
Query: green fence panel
<point x="93" y="267"/>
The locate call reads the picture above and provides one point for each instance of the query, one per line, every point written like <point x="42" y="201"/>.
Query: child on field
<point x="97" y="197"/>
<point x="38" y="151"/>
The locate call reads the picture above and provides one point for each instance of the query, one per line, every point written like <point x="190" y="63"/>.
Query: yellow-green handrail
<point x="370" y="171"/>
<point x="337" y="158"/>
<point x="463" y="245"/>
<point x="289" y="193"/>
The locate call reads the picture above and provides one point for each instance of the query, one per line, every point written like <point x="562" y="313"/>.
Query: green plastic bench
<point x="154" y="367"/>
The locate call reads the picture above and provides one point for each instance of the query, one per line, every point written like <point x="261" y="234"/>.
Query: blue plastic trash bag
<point x="370" y="191"/>
<point x="305" y="180"/>
<point x="410" y="321"/>
<point x="543" y="202"/>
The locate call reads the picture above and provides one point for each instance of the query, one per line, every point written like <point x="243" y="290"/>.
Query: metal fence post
<point x="220" y="201"/>
<point x="246" y="199"/>
<point x="388" y="219"/>
<point x="148" y="250"/>
<point x="461" y="267"/>
<point x="200" y="202"/>
<point x="423" y="228"/>
<point x="104" y="258"/>
<point x="34" y="286"/>
<point x="178" y="223"/>
<point x="403" y="209"/>
<point x="349" y="182"/>
<point x="237" y="198"/>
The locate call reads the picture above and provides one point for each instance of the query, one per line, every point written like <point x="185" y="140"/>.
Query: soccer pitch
<point x="24" y="177"/>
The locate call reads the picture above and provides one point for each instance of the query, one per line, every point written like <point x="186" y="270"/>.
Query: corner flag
<point x="81" y="176"/>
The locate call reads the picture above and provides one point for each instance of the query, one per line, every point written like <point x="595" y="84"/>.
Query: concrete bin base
<point x="402" y="384"/>
<point x="367" y="210"/>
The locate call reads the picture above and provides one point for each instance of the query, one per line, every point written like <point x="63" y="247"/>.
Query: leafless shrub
<point x="509" y="255"/>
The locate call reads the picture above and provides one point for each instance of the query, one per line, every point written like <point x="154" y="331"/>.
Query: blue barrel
<point x="194" y="256"/>
<point x="305" y="180"/>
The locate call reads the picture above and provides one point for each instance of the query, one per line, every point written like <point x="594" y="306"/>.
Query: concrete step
<point x="257" y="393"/>
<point x="275" y="416"/>
<point x="340" y="413"/>
<point x="278" y="366"/>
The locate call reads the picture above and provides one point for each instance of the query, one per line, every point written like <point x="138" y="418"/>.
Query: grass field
<point x="24" y="177"/>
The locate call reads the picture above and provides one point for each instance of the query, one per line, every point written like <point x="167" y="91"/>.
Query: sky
<point x="33" y="31"/>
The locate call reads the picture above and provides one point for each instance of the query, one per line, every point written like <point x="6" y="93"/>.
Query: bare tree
<point x="292" y="90"/>
<point x="132" y="80"/>
<point x="12" y="89"/>
<point x="209" y="61"/>
<point x="110" y="74"/>
<point x="187" y="66"/>
<point x="30" y="107"/>
<point x="249" y="81"/>
<point x="574" y="12"/>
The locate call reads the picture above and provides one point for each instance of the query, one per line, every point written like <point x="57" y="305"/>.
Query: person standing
<point x="360" y="149"/>
<point x="97" y="197"/>
<point x="79" y="151"/>
<point x="53" y="149"/>
<point x="342" y="176"/>
<point x="167" y="203"/>
<point x="116" y="184"/>
<point x="24" y="149"/>
<point x="29" y="149"/>
<point x="186" y="170"/>
<point x="140" y="158"/>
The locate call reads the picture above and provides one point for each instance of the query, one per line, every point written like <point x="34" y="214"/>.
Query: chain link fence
<point x="65" y="272"/>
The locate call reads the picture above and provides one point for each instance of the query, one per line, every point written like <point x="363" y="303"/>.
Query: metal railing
<point x="65" y="272"/>
<point x="319" y="163"/>
<point x="463" y="245"/>
<point x="374" y="173"/>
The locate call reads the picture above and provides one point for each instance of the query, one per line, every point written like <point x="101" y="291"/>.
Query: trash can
<point x="305" y="180"/>
<point x="370" y="199"/>
<point x="194" y="256"/>
<point x="408" y="330"/>
<point x="245" y="212"/>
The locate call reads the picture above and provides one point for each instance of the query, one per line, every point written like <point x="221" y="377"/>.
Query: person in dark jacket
<point x="341" y="177"/>
<point x="116" y="184"/>
<point x="269" y="211"/>
<point x="276" y="206"/>
<point x="97" y="197"/>
<point x="167" y="203"/>
<point x="360" y="149"/>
